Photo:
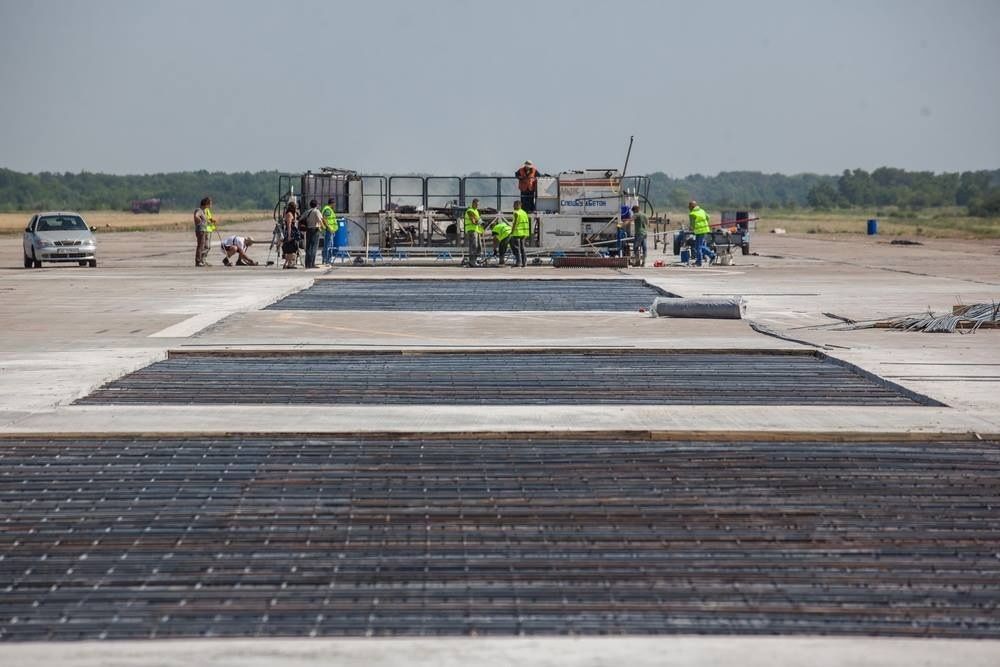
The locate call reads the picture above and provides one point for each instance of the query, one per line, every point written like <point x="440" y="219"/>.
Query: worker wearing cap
<point x="501" y="239"/>
<point x="701" y="229"/>
<point x="237" y="245"/>
<point x="473" y="232"/>
<point x="519" y="234"/>
<point x="331" y="225"/>
<point x="527" y="183"/>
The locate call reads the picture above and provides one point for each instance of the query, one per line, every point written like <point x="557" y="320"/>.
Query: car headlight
<point x="46" y="244"/>
<point x="88" y="244"/>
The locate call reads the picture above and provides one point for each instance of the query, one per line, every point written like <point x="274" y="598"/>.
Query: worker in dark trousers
<point x="527" y="183"/>
<point x="501" y="240"/>
<point x="312" y="223"/>
<point x="473" y="232"/>
<point x="519" y="235"/>
<point x="640" y="224"/>
<point x="701" y="229"/>
<point x="331" y="225"/>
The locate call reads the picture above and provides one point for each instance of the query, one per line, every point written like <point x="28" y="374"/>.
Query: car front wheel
<point x="28" y="263"/>
<point x="92" y="263"/>
<point x="34" y="260"/>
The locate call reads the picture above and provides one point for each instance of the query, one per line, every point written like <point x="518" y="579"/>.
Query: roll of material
<point x="725" y="308"/>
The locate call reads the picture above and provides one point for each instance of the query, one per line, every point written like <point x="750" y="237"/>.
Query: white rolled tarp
<point x="719" y="308"/>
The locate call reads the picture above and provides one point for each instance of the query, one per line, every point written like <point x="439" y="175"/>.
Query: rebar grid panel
<point x="645" y="377"/>
<point x="464" y="294"/>
<point x="318" y="535"/>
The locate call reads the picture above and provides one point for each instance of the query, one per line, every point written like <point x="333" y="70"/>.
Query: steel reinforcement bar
<point x="485" y="378"/>
<point x="326" y="535"/>
<point x="473" y="294"/>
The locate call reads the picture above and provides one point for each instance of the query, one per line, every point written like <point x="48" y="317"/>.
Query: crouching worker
<point x="501" y="240"/>
<point x="237" y="245"/>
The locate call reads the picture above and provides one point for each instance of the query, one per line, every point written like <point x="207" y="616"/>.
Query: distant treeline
<point x="105" y="192"/>
<point x="977" y="191"/>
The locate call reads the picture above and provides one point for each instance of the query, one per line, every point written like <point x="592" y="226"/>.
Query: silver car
<point x="59" y="237"/>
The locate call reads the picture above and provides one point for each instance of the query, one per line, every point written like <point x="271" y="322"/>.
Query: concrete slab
<point x="451" y="652"/>
<point x="69" y="329"/>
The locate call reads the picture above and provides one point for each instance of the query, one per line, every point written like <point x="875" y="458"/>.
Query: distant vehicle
<point x="146" y="205"/>
<point x="59" y="237"/>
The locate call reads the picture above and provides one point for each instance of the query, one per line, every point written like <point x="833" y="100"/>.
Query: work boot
<point x="226" y="261"/>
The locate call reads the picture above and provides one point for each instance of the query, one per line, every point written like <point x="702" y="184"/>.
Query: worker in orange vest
<point x="527" y="183"/>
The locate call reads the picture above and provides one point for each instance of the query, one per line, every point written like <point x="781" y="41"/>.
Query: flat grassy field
<point x="124" y="221"/>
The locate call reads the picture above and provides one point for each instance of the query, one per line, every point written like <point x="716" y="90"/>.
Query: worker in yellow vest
<point x="701" y="229"/>
<point x="331" y="225"/>
<point x="501" y="239"/>
<point x="519" y="234"/>
<point x="473" y="232"/>
<point x="209" y="227"/>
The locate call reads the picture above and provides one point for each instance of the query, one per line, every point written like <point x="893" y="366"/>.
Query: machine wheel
<point x="92" y="263"/>
<point x="677" y="244"/>
<point x="27" y="261"/>
<point x="746" y="248"/>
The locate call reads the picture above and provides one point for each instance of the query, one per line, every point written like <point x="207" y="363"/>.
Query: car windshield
<point x="60" y="223"/>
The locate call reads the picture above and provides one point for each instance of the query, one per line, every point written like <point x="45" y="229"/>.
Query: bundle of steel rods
<point x="970" y="318"/>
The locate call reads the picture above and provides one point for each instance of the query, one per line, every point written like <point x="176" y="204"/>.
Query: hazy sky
<point x="452" y="86"/>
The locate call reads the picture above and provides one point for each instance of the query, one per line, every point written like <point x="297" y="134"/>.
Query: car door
<point x="27" y="239"/>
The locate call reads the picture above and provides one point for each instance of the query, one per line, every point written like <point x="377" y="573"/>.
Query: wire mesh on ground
<point x="465" y="294"/>
<point x="317" y="535"/>
<point x="646" y="377"/>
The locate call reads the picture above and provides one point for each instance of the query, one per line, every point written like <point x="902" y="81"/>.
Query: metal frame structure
<point x="423" y="214"/>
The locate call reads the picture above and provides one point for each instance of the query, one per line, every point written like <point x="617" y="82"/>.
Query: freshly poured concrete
<point x="67" y="330"/>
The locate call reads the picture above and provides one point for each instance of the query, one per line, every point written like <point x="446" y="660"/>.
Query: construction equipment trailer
<point x="576" y="212"/>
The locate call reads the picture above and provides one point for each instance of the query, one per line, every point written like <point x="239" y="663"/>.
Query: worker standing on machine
<point x="501" y="239"/>
<point x="520" y="233"/>
<point x="331" y="225"/>
<point x="473" y="232"/>
<point x="701" y="229"/>
<point x="527" y="183"/>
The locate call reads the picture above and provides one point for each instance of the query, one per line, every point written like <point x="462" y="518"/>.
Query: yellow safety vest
<point x="209" y="221"/>
<point x="501" y="230"/>
<point x="472" y="220"/>
<point x="699" y="221"/>
<point x="330" y="218"/>
<point x="522" y="224"/>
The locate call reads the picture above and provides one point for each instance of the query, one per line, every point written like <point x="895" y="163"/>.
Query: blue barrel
<point x="340" y="238"/>
<point x="685" y="256"/>
<point x="872" y="227"/>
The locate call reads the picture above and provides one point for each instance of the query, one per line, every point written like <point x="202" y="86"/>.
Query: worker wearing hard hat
<point x="701" y="229"/>
<point x="527" y="183"/>
<point x="473" y="232"/>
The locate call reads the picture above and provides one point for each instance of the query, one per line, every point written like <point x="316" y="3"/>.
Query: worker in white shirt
<point x="237" y="245"/>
